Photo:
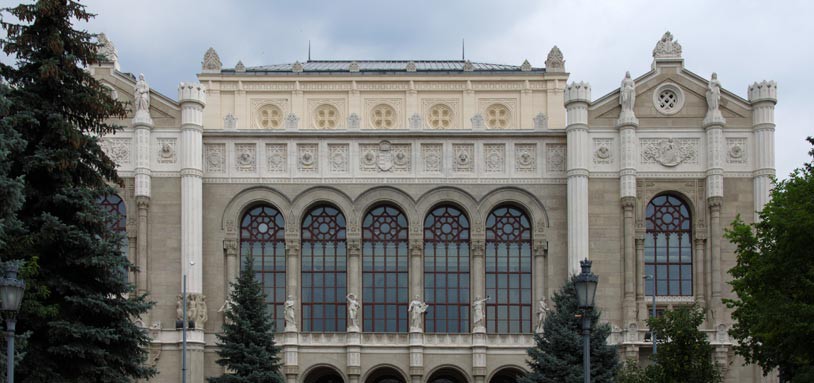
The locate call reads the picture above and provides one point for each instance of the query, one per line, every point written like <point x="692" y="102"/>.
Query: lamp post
<point x="653" y="315"/>
<point x="11" y="295"/>
<point x="586" y="292"/>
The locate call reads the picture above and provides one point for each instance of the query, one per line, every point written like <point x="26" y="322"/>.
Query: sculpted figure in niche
<point x="627" y="96"/>
<point x="542" y="311"/>
<point x="479" y="311"/>
<point x="713" y="93"/>
<point x="142" y="95"/>
<point x="353" y="311"/>
<point x="290" y="322"/>
<point x="417" y="309"/>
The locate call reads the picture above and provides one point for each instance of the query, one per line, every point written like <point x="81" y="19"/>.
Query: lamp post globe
<point x="585" y="284"/>
<point x="11" y="296"/>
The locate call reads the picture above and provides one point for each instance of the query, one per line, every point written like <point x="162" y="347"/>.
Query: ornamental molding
<point x="307" y="158"/>
<point x="509" y="103"/>
<point x="669" y="152"/>
<point x="603" y="151"/>
<point x="396" y="103"/>
<point x="315" y="103"/>
<point x="117" y="149"/>
<point x="498" y="85"/>
<point x="338" y="157"/>
<point x="230" y="122"/>
<point x="432" y="157"/>
<point x="335" y="86"/>
<point x="540" y="121"/>
<point x="440" y="85"/>
<point x="385" y="157"/>
<point x="463" y="160"/>
<point x="277" y="158"/>
<point x="494" y="156"/>
<point x="215" y="158"/>
<point x="525" y="158"/>
<point x="452" y="103"/>
<point x="736" y="150"/>
<point x="166" y="150"/>
<point x="555" y="158"/>
<point x="262" y="86"/>
<point x="246" y="157"/>
<point x="667" y="48"/>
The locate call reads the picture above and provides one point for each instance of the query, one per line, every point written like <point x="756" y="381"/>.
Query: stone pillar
<point x="142" y="126"/>
<point x="577" y="99"/>
<point x="540" y="276"/>
<point x="231" y="263"/>
<point x="700" y="259"/>
<point x="715" y="234"/>
<point x="478" y="269"/>
<point x="714" y="124"/>
<point x="416" y="357"/>
<point x="763" y="96"/>
<point x="192" y="98"/>
<point x="292" y="251"/>
<point x="628" y="147"/>
<point x="355" y="276"/>
<point x="416" y="267"/>
<point x="629" y="260"/>
<point x="640" y="287"/>
<point x="478" y="284"/>
<point x="354" y="354"/>
<point x="143" y="204"/>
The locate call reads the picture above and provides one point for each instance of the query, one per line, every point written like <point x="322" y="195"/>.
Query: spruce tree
<point x="247" y="347"/>
<point x="78" y="308"/>
<point x="557" y="355"/>
<point x="684" y="353"/>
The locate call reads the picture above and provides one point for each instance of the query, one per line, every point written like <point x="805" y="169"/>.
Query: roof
<point x="323" y="66"/>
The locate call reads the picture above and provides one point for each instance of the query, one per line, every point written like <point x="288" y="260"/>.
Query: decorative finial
<point x="666" y="48"/>
<point x="240" y="67"/>
<point x="411" y="66"/>
<point x="555" y="62"/>
<point x="468" y="67"/>
<point x="297" y="67"/>
<point x="354" y="66"/>
<point x="107" y="50"/>
<point x="526" y="67"/>
<point x="211" y="62"/>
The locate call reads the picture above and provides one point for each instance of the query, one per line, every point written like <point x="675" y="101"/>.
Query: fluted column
<point x="577" y="100"/>
<point x="627" y="125"/>
<point x="192" y="98"/>
<point x="763" y="96"/>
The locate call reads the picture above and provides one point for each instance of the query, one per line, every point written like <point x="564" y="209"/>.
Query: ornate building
<point x="409" y="219"/>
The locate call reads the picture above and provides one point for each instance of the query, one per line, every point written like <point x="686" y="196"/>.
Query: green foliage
<point x="774" y="278"/>
<point x="557" y="356"/>
<point x="247" y="346"/>
<point x="11" y="187"/>
<point x="684" y="353"/>
<point x="631" y="372"/>
<point x="78" y="309"/>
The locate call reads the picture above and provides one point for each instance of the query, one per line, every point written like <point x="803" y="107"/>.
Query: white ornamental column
<point x="714" y="124"/>
<point x="142" y="126"/>
<point x="192" y="98"/>
<point x="763" y="96"/>
<point x="627" y="125"/>
<point x="577" y="99"/>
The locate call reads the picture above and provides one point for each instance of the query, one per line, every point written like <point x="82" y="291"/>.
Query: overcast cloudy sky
<point x="743" y="41"/>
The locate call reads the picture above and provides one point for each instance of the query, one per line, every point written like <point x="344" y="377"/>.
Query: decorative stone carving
<point x="141" y="95"/>
<point x="669" y="152"/>
<point x="495" y="158"/>
<point x="230" y="122"/>
<point x="540" y="121"/>
<point x="462" y="162"/>
<point x="525" y="160"/>
<point x="479" y="314"/>
<point x="542" y="311"/>
<point x="196" y="309"/>
<point x="736" y="150"/>
<point x="307" y="155"/>
<point x="627" y="98"/>
<point x="353" y="67"/>
<point x="415" y="121"/>
<point x="385" y="157"/>
<point x="555" y="158"/>
<point x="417" y="309"/>
<point x="440" y="115"/>
<point x="211" y="61"/>
<point x="666" y="48"/>
<point x="411" y="66"/>
<point x="603" y="153"/>
<point x="468" y="67"/>
<point x="555" y="61"/>
<point x="245" y="157"/>
<point x="353" y="309"/>
<point x="713" y="96"/>
<point x="432" y="157"/>
<point x="106" y="49"/>
<point x="297" y="67"/>
<point x="526" y="66"/>
<point x="117" y="149"/>
<point x="478" y="123"/>
<point x="166" y="151"/>
<point x="239" y="67"/>
<point x="498" y="116"/>
<point x="276" y="158"/>
<point x="338" y="155"/>
<point x="291" y="121"/>
<point x="353" y="121"/>
<point x="214" y="157"/>
<point x="290" y="317"/>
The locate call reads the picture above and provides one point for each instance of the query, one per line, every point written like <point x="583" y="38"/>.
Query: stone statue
<point x="290" y="321"/>
<point x="667" y="48"/>
<point x="713" y="94"/>
<point x="627" y="94"/>
<point x="417" y="309"/>
<point x="201" y="314"/>
<point x="192" y="309"/>
<point x="479" y="311"/>
<point x="142" y="95"/>
<point x="542" y="311"/>
<point x="106" y="48"/>
<point x="353" y="311"/>
<point x="179" y="308"/>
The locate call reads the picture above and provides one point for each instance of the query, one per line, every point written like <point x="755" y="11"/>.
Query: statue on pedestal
<point x="290" y="320"/>
<point x="353" y="311"/>
<point x="479" y="312"/>
<point x="142" y="95"/>
<point x="417" y="309"/>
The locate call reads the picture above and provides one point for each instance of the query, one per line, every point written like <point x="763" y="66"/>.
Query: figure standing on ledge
<point x="542" y="311"/>
<point x="417" y="308"/>
<point x="353" y="311"/>
<point x="713" y="93"/>
<point x="142" y="95"/>
<point x="478" y="311"/>
<point x="290" y="321"/>
<point x="627" y="98"/>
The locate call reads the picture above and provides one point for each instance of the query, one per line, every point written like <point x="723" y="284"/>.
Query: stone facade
<point x="414" y="135"/>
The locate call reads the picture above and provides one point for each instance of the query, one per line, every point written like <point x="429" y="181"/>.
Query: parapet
<point x="191" y="92"/>
<point x="763" y="91"/>
<point x="578" y="92"/>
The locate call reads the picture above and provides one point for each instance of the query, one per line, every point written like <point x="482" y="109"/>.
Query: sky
<point x="743" y="41"/>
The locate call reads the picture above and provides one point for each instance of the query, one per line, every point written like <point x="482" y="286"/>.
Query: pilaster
<point x="577" y="100"/>
<point x="416" y="266"/>
<point x="143" y="203"/>
<point x="715" y="234"/>
<point x="763" y="96"/>
<point x="355" y="275"/>
<point x="629" y="260"/>
<point x="642" y="305"/>
<point x="192" y="98"/>
<point x="231" y="265"/>
<point x="292" y="251"/>
<point x="478" y="270"/>
<point x="540" y="276"/>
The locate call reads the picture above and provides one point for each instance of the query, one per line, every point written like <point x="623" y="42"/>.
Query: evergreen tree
<point x="684" y="353"/>
<point x="78" y="308"/>
<point x="773" y="280"/>
<point x="247" y="346"/>
<point x="557" y="356"/>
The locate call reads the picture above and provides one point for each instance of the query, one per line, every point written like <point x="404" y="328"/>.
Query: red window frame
<point x="324" y="270"/>
<point x="114" y="205"/>
<point x="262" y="236"/>
<point x="385" y="270"/>
<point x="446" y="270"/>
<point x="668" y="249"/>
<point x="508" y="271"/>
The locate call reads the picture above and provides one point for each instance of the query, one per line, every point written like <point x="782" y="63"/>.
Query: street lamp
<point x="11" y="295"/>
<point x="586" y="292"/>
<point x="653" y="290"/>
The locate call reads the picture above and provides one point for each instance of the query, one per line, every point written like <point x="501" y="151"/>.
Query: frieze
<point x="307" y="158"/>
<point x="603" y="151"/>
<point x="276" y="158"/>
<point x="383" y="86"/>
<point x="555" y="158"/>
<point x="385" y="157"/>
<point x="284" y="86"/>
<point x="669" y="152"/>
<point x="245" y="157"/>
<point x="496" y="85"/>
<point x="440" y="85"/>
<point x="432" y="158"/>
<point x="166" y="150"/>
<point x="338" y="157"/>
<point x="214" y="157"/>
<point x="525" y="158"/>
<point x="736" y="151"/>
<point x="494" y="158"/>
<point x="463" y="158"/>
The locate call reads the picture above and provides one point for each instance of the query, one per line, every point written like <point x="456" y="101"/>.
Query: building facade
<point x="410" y="219"/>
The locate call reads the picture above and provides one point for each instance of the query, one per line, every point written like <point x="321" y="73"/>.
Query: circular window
<point x="383" y="116"/>
<point x="668" y="99"/>
<point x="497" y="116"/>
<point x="326" y="117"/>
<point x="440" y="116"/>
<point x="269" y="117"/>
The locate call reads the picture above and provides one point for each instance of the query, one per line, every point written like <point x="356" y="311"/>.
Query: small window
<point x="269" y="117"/>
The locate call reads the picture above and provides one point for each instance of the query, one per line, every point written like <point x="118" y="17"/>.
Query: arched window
<point x="114" y="206"/>
<point x="668" y="247"/>
<point x="262" y="236"/>
<point x="508" y="271"/>
<point x="384" y="270"/>
<point x="446" y="270"/>
<point x="324" y="265"/>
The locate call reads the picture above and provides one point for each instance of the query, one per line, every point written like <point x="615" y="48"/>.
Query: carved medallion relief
<point x="669" y="152"/>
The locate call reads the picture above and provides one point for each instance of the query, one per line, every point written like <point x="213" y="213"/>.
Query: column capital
<point x="230" y="246"/>
<point x="143" y="202"/>
<point x="354" y="246"/>
<point x="478" y="247"/>
<point x="628" y="202"/>
<point x="715" y="203"/>
<point x="540" y="248"/>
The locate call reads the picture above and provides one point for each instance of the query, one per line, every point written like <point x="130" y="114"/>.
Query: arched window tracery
<point x="324" y="268"/>
<point x="385" y="270"/>
<point x="446" y="270"/>
<point x="262" y="236"/>
<point x="508" y="271"/>
<point x="668" y="247"/>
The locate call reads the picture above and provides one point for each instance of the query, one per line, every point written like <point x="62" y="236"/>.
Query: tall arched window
<point x="113" y="205"/>
<point x="262" y="236"/>
<point x="324" y="266"/>
<point x="384" y="270"/>
<point x="446" y="270"/>
<point x="668" y="247"/>
<point x="508" y="271"/>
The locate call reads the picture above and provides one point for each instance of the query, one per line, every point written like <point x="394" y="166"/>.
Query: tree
<point x="247" y="345"/>
<point x="78" y="308"/>
<point x="557" y="356"/>
<point x="773" y="280"/>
